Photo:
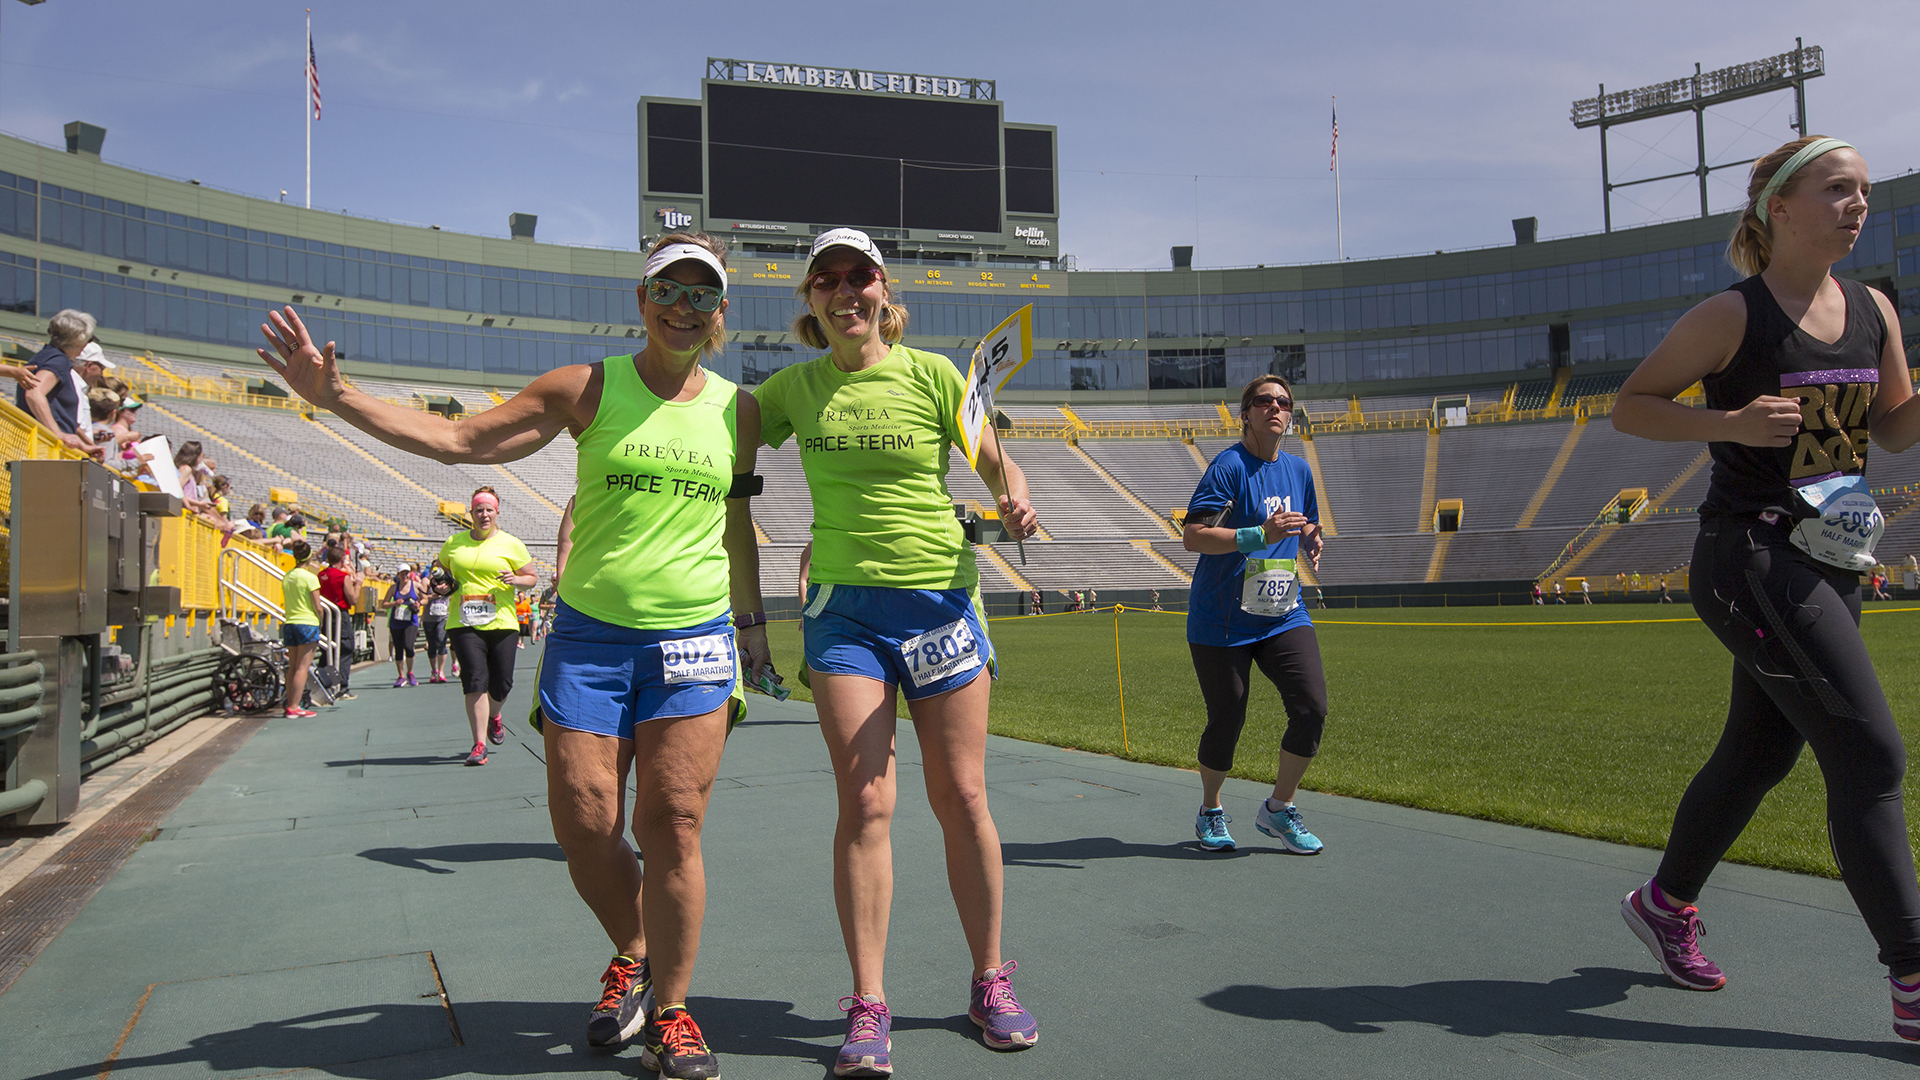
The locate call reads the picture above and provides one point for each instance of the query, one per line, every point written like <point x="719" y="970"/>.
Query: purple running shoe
<point x="1004" y="1025"/>
<point x="1674" y="941"/>
<point x="869" y="1039"/>
<point x="1906" y="1010"/>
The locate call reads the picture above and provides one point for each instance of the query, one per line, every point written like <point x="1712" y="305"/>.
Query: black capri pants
<point x="400" y="635"/>
<point x="1801" y="676"/>
<point x="435" y="631"/>
<point x="1291" y="660"/>
<point x="485" y="658"/>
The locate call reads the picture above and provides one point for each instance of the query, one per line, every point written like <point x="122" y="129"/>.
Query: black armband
<point x="746" y="485"/>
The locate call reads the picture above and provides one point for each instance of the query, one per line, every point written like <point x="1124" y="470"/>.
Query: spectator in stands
<point x="433" y="620"/>
<point x="300" y="628"/>
<point x="1777" y="590"/>
<point x="92" y="365"/>
<point x="402" y="605"/>
<point x="47" y="390"/>
<point x="654" y="585"/>
<point x="891" y="567"/>
<point x="186" y="463"/>
<point x="1253" y="515"/>
<point x="341" y="587"/>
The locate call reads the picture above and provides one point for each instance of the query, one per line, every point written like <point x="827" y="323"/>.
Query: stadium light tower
<point x="1695" y="94"/>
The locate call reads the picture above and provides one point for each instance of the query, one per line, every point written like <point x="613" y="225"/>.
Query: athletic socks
<point x="1272" y="809"/>
<point x="1655" y="897"/>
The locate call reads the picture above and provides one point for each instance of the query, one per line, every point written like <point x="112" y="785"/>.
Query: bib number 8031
<point x="940" y="653"/>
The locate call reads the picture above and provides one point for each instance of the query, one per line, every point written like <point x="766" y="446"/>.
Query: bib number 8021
<point x="940" y="653"/>
<point x="700" y="659"/>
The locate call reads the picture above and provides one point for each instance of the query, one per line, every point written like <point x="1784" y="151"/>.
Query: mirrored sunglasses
<point x="667" y="292"/>
<point x="1268" y="401"/>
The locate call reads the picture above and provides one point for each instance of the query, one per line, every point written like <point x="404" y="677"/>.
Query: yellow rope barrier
<point x="1119" y="679"/>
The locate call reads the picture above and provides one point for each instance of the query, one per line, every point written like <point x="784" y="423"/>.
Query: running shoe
<point x="478" y="755"/>
<point x="1906" y="1010"/>
<point x="400" y="682"/>
<point x="1285" y="826"/>
<point x="1003" y="1024"/>
<point x="1674" y="941"/>
<point x="496" y="731"/>
<point x="438" y="679"/>
<point x="673" y="1047"/>
<point x="624" y="1004"/>
<point x="411" y="681"/>
<point x="869" y="1040"/>
<point x="346" y="695"/>
<point x="300" y="714"/>
<point x="1211" y="827"/>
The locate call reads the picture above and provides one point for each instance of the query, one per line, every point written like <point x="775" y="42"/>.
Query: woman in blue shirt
<point x="1253" y="514"/>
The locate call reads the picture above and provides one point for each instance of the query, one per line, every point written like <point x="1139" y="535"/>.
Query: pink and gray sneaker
<point x="1906" y="1009"/>
<point x="1674" y="941"/>
<point x="868" y="1048"/>
<point x="1003" y="1024"/>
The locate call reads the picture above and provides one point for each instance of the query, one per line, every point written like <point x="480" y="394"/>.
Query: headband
<point x="495" y="499"/>
<point x="1805" y="154"/>
<point x="673" y="253"/>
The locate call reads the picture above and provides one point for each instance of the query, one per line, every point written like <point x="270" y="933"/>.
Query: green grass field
<point x="1554" y="718"/>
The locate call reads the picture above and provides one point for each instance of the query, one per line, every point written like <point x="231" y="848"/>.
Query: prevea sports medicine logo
<point x="673" y="219"/>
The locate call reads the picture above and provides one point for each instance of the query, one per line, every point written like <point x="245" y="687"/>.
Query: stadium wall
<point x="187" y="271"/>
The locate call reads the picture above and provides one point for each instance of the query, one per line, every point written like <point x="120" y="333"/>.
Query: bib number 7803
<point x="941" y="652"/>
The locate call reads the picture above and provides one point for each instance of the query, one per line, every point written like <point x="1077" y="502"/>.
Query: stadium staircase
<point x="1429" y="482"/>
<point x="1121" y="489"/>
<point x="1321" y="495"/>
<point x="1578" y="428"/>
<point x="1146" y="546"/>
<point x="1438" y="563"/>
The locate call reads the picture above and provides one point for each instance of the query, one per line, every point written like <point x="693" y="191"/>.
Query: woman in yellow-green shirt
<point x="488" y="565"/>
<point x="300" y="628"/>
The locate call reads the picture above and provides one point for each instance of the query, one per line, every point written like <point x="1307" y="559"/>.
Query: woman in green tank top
<point x="662" y="550"/>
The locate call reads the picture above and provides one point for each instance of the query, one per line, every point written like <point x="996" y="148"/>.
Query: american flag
<point x="1335" y="160"/>
<point x="313" y="78"/>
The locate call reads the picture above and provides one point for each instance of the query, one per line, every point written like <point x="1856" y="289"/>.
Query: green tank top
<point x="650" y="508"/>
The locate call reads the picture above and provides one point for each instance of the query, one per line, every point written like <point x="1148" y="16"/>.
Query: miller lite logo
<point x="673" y="219"/>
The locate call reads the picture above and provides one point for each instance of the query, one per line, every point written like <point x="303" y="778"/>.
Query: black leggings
<point x="485" y="658"/>
<point x="1801" y="676"/>
<point x="400" y="635"/>
<point x="436" y="634"/>
<point x="1292" y="661"/>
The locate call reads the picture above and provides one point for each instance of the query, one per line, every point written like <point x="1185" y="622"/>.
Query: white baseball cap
<point x="848" y="238"/>
<point x="93" y="354"/>
<point x="403" y="566"/>
<point x="673" y="253"/>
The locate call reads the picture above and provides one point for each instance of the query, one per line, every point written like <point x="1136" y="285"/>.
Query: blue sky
<point x="1453" y="119"/>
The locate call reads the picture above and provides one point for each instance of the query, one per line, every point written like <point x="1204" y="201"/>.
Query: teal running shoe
<point x="1211" y="829"/>
<point x="1285" y="826"/>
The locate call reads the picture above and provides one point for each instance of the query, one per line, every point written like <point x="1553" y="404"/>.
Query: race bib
<point x="403" y="613"/>
<point x="477" y="610"/>
<point x="941" y="652"/>
<point x="698" y="660"/>
<point x="437" y="609"/>
<point x="1849" y="525"/>
<point x="1268" y="587"/>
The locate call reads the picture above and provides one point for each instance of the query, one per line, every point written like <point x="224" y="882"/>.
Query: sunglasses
<point x="1268" y="401"/>
<point x="857" y="278"/>
<point x="667" y="292"/>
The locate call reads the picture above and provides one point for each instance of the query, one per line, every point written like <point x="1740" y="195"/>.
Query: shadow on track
<point x="1064" y="854"/>
<point x="414" y="858"/>
<point x="1552" y="1011"/>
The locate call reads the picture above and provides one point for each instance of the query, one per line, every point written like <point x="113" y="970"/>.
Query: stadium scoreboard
<point x="771" y="155"/>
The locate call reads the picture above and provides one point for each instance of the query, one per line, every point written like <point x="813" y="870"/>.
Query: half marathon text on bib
<point x="941" y="652"/>
<point x="698" y="660"/>
<point x="1268" y="587"/>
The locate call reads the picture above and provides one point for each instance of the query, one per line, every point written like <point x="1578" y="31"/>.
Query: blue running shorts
<point x="602" y="678"/>
<point x="927" y="641"/>
<point x="292" y="634"/>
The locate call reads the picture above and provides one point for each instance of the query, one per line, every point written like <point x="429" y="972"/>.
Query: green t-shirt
<point x="650" y="509"/>
<point x="874" y="446"/>
<point x="296" y="597"/>
<point x="480" y="599"/>
<point x="282" y="529"/>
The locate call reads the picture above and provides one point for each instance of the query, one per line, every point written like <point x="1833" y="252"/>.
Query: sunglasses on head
<point x="666" y="292"/>
<point x="858" y="278"/>
<point x="1268" y="401"/>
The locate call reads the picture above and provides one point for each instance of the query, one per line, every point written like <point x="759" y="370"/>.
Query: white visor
<point x="847" y="238"/>
<point x="673" y="253"/>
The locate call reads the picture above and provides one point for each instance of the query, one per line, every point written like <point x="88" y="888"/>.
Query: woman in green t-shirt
<point x="659" y="610"/>
<point x="892" y="608"/>
<point x="300" y="626"/>
<point x="489" y="565"/>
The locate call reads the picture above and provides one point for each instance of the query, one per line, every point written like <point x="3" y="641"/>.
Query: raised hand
<point x="309" y="371"/>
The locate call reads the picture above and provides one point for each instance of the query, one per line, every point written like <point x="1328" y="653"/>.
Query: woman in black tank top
<point x="1802" y="371"/>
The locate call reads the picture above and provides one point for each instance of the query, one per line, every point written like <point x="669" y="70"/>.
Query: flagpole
<point x="306" y="105"/>
<point x="1339" y="230"/>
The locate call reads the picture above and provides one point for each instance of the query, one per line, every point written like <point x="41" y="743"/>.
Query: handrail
<point x="330" y="614"/>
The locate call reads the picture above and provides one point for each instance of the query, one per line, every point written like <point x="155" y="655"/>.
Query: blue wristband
<point x="1251" y="538"/>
